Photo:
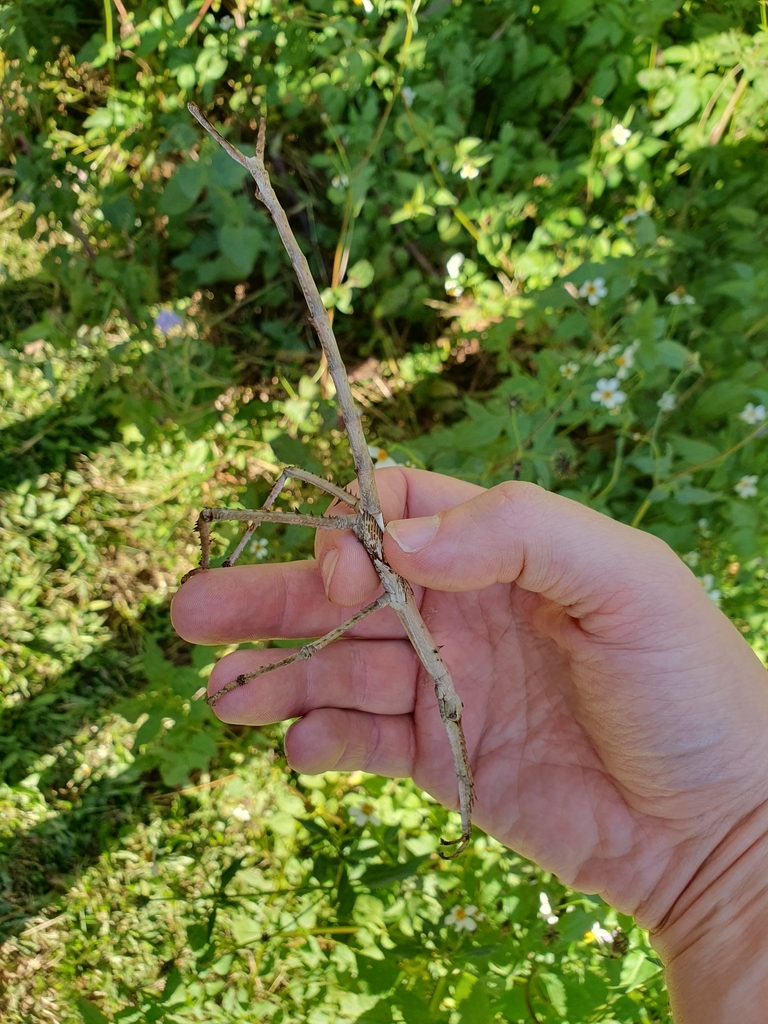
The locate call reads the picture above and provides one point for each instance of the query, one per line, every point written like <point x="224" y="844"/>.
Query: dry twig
<point x="367" y="522"/>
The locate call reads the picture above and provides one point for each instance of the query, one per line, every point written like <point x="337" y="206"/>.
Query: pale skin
<point x="616" y="721"/>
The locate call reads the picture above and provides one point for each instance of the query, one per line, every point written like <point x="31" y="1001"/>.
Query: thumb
<point x="545" y="543"/>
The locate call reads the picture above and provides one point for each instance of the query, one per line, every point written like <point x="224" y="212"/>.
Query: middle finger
<point x="377" y="676"/>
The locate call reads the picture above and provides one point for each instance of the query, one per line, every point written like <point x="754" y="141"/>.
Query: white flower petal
<point x="454" y="264"/>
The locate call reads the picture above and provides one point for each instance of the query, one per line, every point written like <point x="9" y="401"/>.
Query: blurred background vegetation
<point x="543" y="229"/>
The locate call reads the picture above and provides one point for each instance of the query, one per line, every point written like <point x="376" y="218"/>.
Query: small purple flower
<point x="166" y="320"/>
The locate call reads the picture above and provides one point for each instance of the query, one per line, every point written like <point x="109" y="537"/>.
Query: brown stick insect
<point x="367" y="521"/>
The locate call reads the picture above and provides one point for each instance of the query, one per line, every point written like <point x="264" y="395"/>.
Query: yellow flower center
<point x="367" y="808"/>
<point x="460" y="913"/>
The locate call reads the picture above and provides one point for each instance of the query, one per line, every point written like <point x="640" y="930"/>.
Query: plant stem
<point x="694" y="469"/>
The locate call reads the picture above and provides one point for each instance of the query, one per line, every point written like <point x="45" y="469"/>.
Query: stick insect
<point x="366" y="521"/>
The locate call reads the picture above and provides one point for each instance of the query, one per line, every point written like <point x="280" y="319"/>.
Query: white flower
<point x="367" y="5"/>
<point x="691" y="558"/>
<point x="454" y="265"/>
<point x="545" y="909"/>
<point x="703" y="525"/>
<point x="464" y="919"/>
<point x="454" y="288"/>
<point x="408" y="94"/>
<point x="569" y="370"/>
<point x="707" y="582"/>
<point x="667" y="402"/>
<point x="680" y="297"/>
<point x="363" y="814"/>
<point x="260" y="547"/>
<point x="340" y="181"/>
<point x="607" y="393"/>
<point x="601" y="935"/>
<point x="633" y="215"/>
<point x="621" y="135"/>
<point x="607" y="353"/>
<point x="468" y="170"/>
<point x="752" y="413"/>
<point x="380" y="458"/>
<point x="746" y="487"/>
<point x="626" y="360"/>
<point x="226" y="22"/>
<point x="241" y="813"/>
<point x="593" y="291"/>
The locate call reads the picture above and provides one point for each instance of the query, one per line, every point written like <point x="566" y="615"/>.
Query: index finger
<point x="289" y="600"/>
<point x="349" y="576"/>
<point x="263" y="602"/>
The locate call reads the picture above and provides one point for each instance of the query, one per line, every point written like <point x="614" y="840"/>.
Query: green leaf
<point x="686" y="103"/>
<point x="575" y="325"/>
<point x="692" y="450"/>
<point x="673" y="354"/>
<point x="697" y="496"/>
<point x="724" y="398"/>
<point x="475" y="1008"/>
<point x="555" y="991"/>
<point x="197" y="937"/>
<point x="172" y="982"/>
<point x="245" y="930"/>
<point x="345" y="896"/>
<point x="185" y="76"/>
<point x="381" y="876"/>
<point x="637" y="968"/>
<point x="91" y="1014"/>
<point x="381" y="1013"/>
<point x="241" y="244"/>
<point x="229" y="872"/>
<point x="360" y="275"/>
<point x="192" y="179"/>
<point x="585" y="994"/>
<point x="677" y="55"/>
<point x="514" y="1006"/>
<point x="149" y="729"/>
<point x="174" y="201"/>
<point x="292" y="452"/>
<point x="379" y="975"/>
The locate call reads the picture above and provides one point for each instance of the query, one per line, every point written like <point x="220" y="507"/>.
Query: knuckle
<point x="520" y="492"/>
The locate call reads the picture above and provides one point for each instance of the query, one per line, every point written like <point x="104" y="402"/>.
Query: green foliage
<point x="542" y="231"/>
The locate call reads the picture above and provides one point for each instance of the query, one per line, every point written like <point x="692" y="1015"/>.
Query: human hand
<point x="615" y="719"/>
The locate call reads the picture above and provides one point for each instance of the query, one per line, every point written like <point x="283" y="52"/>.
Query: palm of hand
<point x="578" y="747"/>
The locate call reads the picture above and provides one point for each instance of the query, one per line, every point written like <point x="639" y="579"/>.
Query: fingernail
<point x="413" y="534"/>
<point x="327" y="569"/>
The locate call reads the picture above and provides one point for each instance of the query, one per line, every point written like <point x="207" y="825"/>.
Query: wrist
<point x="714" y="939"/>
